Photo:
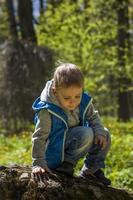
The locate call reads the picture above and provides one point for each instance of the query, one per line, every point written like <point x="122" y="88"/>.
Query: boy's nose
<point x="72" y="102"/>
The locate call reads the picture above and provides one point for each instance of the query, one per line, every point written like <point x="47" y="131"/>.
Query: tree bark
<point x="12" y="20"/>
<point x="86" y="3"/>
<point x="17" y="183"/>
<point x="26" y="20"/>
<point x="41" y="6"/>
<point x="123" y="45"/>
<point x="26" y="68"/>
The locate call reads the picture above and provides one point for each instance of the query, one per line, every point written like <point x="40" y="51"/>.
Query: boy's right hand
<point x="40" y="170"/>
<point x="40" y="174"/>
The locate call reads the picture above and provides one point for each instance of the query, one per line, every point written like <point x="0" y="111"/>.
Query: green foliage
<point x="119" y="162"/>
<point x="120" y="158"/>
<point x="15" y="149"/>
<point x="4" y="31"/>
<point x="78" y="35"/>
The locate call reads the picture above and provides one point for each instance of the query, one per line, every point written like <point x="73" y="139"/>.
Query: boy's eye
<point x="77" y="97"/>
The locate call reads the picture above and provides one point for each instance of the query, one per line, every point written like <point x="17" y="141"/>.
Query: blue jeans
<point x="80" y="142"/>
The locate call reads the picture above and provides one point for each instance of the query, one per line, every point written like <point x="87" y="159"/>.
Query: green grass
<point x="16" y="149"/>
<point x="120" y="158"/>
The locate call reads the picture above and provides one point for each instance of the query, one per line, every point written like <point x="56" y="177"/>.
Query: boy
<point x="68" y="128"/>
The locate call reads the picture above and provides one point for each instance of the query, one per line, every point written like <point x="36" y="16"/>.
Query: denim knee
<point x="108" y="136"/>
<point x="78" y="142"/>
<point x="79" y="138"/>
<point x="87" y="135"/>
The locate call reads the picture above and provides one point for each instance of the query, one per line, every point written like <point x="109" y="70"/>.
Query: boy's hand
<point x="101" y="140"/>
<point x="40" y="170"/>
<point x="40" y="174"/>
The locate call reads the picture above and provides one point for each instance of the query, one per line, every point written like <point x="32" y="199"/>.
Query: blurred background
<point x="97" y="36"/>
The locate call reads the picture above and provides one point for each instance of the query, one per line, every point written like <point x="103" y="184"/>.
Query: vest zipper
<point x="86" y="111"/>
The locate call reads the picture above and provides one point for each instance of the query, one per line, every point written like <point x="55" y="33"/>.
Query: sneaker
<point x="99" y="174"/>
<point x="66" y="168"/>
<point x="87" y="174"/>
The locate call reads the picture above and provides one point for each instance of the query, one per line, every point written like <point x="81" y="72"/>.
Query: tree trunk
<point x="41" y="6"/>
<point x="123" y="45"/>
<point x="26" y="20"/>
<point x="26" y="68"/>
<point x="12" y="21"/>
<point x="16" y="183"/>
<point x="55" y="4"/>
<point x="86" y="3"/>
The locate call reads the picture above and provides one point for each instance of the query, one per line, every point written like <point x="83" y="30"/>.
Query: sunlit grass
<point x="120" y="158"/>
<point x="15" y="149"/>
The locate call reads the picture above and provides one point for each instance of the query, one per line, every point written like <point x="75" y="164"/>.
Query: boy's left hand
<point x="101" y="140"/>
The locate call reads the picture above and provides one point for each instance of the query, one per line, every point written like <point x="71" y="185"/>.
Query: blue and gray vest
<point x="54" y="153"/>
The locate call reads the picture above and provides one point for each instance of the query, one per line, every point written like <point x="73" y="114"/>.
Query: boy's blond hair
<point x="67" y="75"/>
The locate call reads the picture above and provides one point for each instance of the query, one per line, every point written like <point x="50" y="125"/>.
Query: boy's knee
<point x="87" y="135"/>
<point x="108" y="135"/>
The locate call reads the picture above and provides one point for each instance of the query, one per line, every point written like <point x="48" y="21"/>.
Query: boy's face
<point x="69" y="98"/>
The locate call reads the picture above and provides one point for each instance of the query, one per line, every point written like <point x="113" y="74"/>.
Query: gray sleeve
<point x="95" y="122"/>
<point x="39" y="138"/>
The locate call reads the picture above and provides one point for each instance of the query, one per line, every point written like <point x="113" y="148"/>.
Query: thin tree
<point x="41" y="6"/>
<point x="26" y="20"/>
<point x="11" y="19"/>
<point x="123" y="45"/>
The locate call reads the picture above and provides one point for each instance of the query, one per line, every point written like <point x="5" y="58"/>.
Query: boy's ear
<point x="54" y="90"/>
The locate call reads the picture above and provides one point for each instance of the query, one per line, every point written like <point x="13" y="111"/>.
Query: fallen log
<point x="17" y="183"/>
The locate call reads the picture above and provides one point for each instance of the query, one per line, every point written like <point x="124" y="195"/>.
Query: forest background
<point x="95" y="35"/>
